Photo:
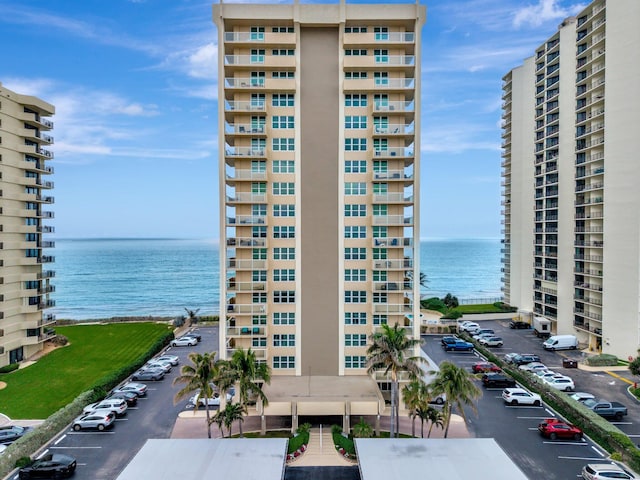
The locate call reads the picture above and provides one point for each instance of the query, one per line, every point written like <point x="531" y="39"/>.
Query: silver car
<point x="100" y="420"/>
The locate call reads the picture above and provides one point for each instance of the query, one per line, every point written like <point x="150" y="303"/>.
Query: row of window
<point x="289" y="253"/>
<point x="289" y="361"/>
<point x="289" y="318"/>
<point x="350" y="231"/>
<point x="350" y="100"/>
<point x="289" y="340"/>
<point x="288" y="166"/>
<point x="360" y="210"/>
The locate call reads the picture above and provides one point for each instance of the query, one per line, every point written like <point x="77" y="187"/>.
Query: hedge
<point x="9" y="368"/>
<point x="604" y="360"/>
<point x="340" y="441"/>
<point x="302" y="438"/>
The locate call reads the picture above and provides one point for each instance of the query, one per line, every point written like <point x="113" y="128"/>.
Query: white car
<point x="491" y="341"/>
<point x="601" y="471"/>
<point x="140" y="389"/>
<point x="546" y="374"/>
<point x="582" y="396"/>
<point x="213" y="402"/>
<point x="173" y="359"/>
<point x="115" y="405"/>
<point x="564" y="384"/>
<point x="184" y="342"/>
<point x="480" y="336"/>
<point x="163" y="365"/>
<point x="520" y="396"/>
<point x="470" y="327"/>
<point x="533" y="367"/>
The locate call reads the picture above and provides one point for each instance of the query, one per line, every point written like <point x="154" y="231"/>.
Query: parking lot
<point x="103" y="455"/>
<point x="515" y="427"/>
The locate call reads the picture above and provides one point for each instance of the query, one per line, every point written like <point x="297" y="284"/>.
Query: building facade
<point x="25" y="194"/>
<point x="571" y="223"/>
<point x="319" y="121"/>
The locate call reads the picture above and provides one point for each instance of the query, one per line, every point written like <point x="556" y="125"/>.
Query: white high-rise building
<point x="570" y="177"/>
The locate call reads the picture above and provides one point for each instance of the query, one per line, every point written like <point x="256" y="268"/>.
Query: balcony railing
<point x="392" y="242"/>
<point x="234" y="286"/>
<point x="241" y="128"/>
<point x="393" y="286"/>
<point x="251" y="308"/>
<point x="394" y="106"/>
<point x="246" y="264"/>
<point x="245" y="106"/>
<point x="246" y="174"/>
<point x="246" y="331"/>
<point x="246" y="242"/>
<point x="260" y="37"/>
<point x="247" y="220"/>
<point x="393" y="175"/>
<point x="392" y="308"/>
<point x="392" y="198"/>
<point x="260" y="353"/>
<point x="246" y="197"/>
<point x="393" y="264"/>
<point x="392" y="220"/>
<point x="394" y="152"/>
<point x="245" y="152"/>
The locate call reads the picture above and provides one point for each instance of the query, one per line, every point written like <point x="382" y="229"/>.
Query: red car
<point x="484" y="367"/>
<point x="553" y="428"/>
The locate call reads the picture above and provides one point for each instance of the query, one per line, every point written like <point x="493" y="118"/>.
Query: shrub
<point x="304" y="428"/>
<point x="9" y="368"/>
<point x="434" y="303"/>
<point x="302" y="438"/>
<point x="604" y="360"/>
<point x="336" y="429"/>
<point x="340" y="441"/>
<point x="453" y="314"/>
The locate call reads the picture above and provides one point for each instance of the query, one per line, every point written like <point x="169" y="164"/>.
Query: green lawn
<point x="94" y="352"/>
<point x="479" y="308"/>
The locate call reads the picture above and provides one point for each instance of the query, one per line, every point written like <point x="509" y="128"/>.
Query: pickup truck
<point x="459" y="346"/>
<point x="606" y="409"/>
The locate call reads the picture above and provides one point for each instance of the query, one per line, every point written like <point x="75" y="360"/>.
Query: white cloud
<point x="543" y="11"/>
<point x="203" y="63"/>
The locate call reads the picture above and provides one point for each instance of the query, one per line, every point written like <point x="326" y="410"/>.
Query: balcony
<point x="247" y="242"/>
<point x="247" y="220"/>
<point x="233" y="286"/>
<point x="387" y="107"/>
<point x="588" y="286"/>
<point x="46" y="289"/>
<point x="394" y="129"/>
<point x="245" y="264"/>
<point x="248" y="152"/>
<point x="260" y="353"/>
<point x="385" y="84"/>
<point x="270" y="61"/>
<point x="394" y="152"/>
<point x="399" y="242"/>
<point x="393" y="175"/>
<point x="245" y="174"/>
<point x="250" y="308"/>
<point x="46" y="304"/>
<point x="46" y="274"/>
<point x="392" y="198"/>
<point x="260" y="38"/>
<point x="245" y="106"/>
<point x="405" y="286"/>
<point x="392" y="220"/>
<point x="244" y="129"/>
<point x="246" y="197"/>
<point x="379" y="38"/>
<point x="405" y="264"/>
<point x="589" y="258"/>
<point x="246" y="331"/>
<point x="46" y="259"/>
<point x="378" y="61"/>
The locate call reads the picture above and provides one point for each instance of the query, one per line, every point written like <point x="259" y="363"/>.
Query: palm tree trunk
<point x="447" y="421"/>
<point x="206" y="408"/>
<point x="392" y="419"/>
<point x="397" y="418"/>
<point x="240" y="426"/>
<point x="421" y="428"/>
<point x="413" y="425"/>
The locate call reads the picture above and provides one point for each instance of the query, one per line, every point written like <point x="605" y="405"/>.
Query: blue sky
<point x="134" y="83"/>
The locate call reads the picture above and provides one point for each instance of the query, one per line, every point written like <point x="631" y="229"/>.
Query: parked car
<point x="520" y="396"/>
<point x="483" y="367"/>
<point x="582" y="396"/>
<point x="459" y="346"/>
<point x="606" y="409"/>
<point x="564" y="384"/>
<point x="148" y="374"/>
<point x="129" y="397"/>
<point x="116" y="405"/>
<point x="605" y="471"/>
<point x="12" y="433"/>
<point x="163" y="365"/>
<point x="448" y="340"/>
<point x="195" y="335"/>
<point x="519" y="325"/>
<point x="184" y="341"/>
<point x="469" y="327"/>
<point x="533" y="367"/>
<point x="140" y="389"/>
<point x="212" y="401"/>
<point x="100" y="419"/>
<point x="524" y="358"/>
<point x="483" y="332"/>
<point x="492" y="341"/>
<point x="553" y="429"/>
<point x="509" y="357"/>
<point x="169" y="358"/>
<point x="497" y="380"/>
<point x="547" y="374"/>
<point x="52" y="465"/>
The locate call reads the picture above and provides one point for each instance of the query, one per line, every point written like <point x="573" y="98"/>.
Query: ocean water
<point x="102" y="278"/>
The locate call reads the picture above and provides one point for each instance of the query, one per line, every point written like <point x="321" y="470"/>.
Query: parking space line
<point x="46" y="450"/>
<point x="629" y="435"/>
<point x="531" y="418"/>
<point x="72" y="448"/>
<point x="550" y="412"/>
<point x="579" y="458"/>
<point x="621" y="423"/>
<point x="60" y="439"/>
<point x="580" y="444"/>
<point x="91" y="433"/>
<point x="522" y="406"/>
<point x="597" y="450"/>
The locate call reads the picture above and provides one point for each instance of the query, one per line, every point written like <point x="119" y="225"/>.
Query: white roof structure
<point x="381" y="459"/>
<point x="229" y="458"/>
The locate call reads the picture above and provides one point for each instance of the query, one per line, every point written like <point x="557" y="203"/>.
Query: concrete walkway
<point x="321" y="452"/>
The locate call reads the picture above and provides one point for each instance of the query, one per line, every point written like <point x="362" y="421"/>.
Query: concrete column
<point x="346" y="418"/>
<point x="294" y="417"/>
<point x="377" y="427"/>
<point x="263" y="424"/>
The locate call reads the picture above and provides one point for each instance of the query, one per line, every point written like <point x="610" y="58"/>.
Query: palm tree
<point x="244" y="371"/>
<point x="435" y="417"/>
<point x="414" y="394"/>
<point x="391" y="350"/>
<point x="458" y="388"/>
<point x="198" y="377"/>
<point x="218" y="419"/>
<point x="362" y="429"/>
<point x="231" y="413"/>
<point x="192" y="315"/>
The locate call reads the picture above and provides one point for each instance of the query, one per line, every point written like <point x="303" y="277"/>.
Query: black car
<point x="53" y="465"/>
<point x="448" y="340"/>
<point x="491" y="380"/>
<point x="11" y="434"/>
<point x="519" y="325"/>
<point x="195" y="335"/>
<point x="525" y="358"/>
<point x="129" y="397"/>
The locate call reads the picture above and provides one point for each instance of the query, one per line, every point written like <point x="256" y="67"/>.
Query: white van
<point x="561" y="342"/>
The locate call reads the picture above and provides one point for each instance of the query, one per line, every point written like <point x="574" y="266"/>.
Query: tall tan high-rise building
<point x="24" y="197"/>
<point x="319" y="121"/>
<point x="571" y="200"/>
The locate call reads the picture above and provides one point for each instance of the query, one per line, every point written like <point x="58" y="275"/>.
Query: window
<point x="380" y="210"/>
<point x="284" y="210"/>
<point x="259" y="342"/>
<point x="258" y="187"/>
<point x="380" y="232"/>
<point x="381" y="100"/>
<point x="379" y="297"/>
<point x="355" y="121"/>
<point x="284" y="232"/>
<point x="380" y="319"/>
<point x="31" y="205"/>
<point x="259" y="275"/>
<point x="355" y="232"/>
<point x="258" y="210"/>
<point x="355" y="52"/>
<point x="355" y="188"/>
<point x="259" y="253"/>
<point x="283" y="52"/>
<point x="284" y="340"/>
<point x="355" y="166"/>
<point x="355" y="100"/>
<point x="284" y="296"/>
<point x="381" y="56"/>
<point x="283" y="166"/>
<point x="283" y="188"/>
<point x="282" y="100"/>
<point x="355" y="144"/>
<point x="284" y="275"/>
<point x="355" y="29"/>
<point x="381" y="33"/>
<point x="380" y="166"/>
<point x="258" y="232"/>
<point x="259" y="320"/>
<point x="355" y="210"/>
<point x="31" y="237"/>
<point x="282" y="121"/>
<point x="257" y="55"/>
<point x="31" y="284"/>
<point x="257" y="100"/>
<point x="257" y="79"/>
<point x="354" y="75"/>
<point x="258" y="166"/>
<point x="355" y="296"/>
<point x="280" y="361"/>
<point x="355" y="361"/>
<point x="355" y="318"/>
<point x="381" y="124"/>
<point x="282" y="253"/>
<point x="283" y="74"/>
<point x="258" y="297"/>
<point x="257" y="124"/>
<point x="257" y="146"/>
<point x="380" y="188"/>
<point x="284" y="318"/>
<point x="257" y="33"/>
<point x="355" y="253"/>
<point x="282" y="29"/>
<point x="379" y="253"/>
<point x="284" y="144"/>
<point x="379" y="275"/>
<point x="380" y="144"/>
<point x="31" y="252"/>
<point x="355" y="275"/>
<point x="355" y="340"/>
<point x="381" y="78"/>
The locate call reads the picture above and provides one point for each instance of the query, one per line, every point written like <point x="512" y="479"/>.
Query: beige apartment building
<point x="571" y="201"/>
<point x="25" y="195"/>
<point x="319" y="121"/>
